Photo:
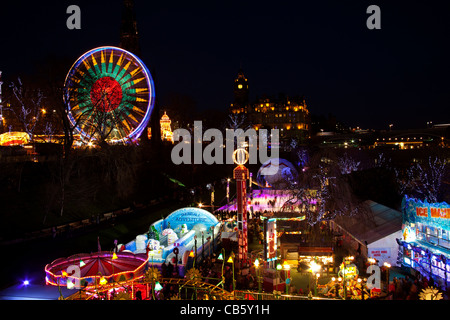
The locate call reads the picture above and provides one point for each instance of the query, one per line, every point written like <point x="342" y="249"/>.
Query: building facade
<point x="288" y="114"/>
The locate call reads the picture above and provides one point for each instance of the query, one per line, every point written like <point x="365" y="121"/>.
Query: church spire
<point x="129" y="39"/>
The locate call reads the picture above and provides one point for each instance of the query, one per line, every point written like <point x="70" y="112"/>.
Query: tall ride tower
<point x="1" y="104"/>
<point x="129" y="38"/>
<point x="241" y="174"/>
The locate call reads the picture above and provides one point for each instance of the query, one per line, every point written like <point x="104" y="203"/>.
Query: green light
<point x="158" y="286"/>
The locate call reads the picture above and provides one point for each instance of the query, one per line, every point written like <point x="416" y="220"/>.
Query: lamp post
<point x="315" y="268"/>
<point x="212" y="198"/>
<point x="315" y="283"/>
<point x="228" y="193"/>
<point x="258" y="276"/>
<point x="213" y="244"/>
<point x="203" y="246"/>
<point x="279" y="267"/>
<point x="221" y="257"/>
<point x="231" y="260"/>
<point x="287" y="269"/>
<point x="195" y="249"/>
<point x="388" y="266"/>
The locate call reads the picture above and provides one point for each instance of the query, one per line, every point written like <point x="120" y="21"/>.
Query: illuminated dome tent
<point x="178" y="230"/>
<point x="285" y="175"/>
<point x="14" y="138"/>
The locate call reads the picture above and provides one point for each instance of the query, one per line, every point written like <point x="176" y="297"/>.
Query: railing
<point x="251" y="295"/>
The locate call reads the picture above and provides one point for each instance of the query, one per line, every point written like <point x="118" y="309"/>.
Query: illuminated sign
<point x="433" y="212"/>
<point x="436" y="214"/>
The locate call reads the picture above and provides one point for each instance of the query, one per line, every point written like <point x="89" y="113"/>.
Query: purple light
<point x="26" y="282"/>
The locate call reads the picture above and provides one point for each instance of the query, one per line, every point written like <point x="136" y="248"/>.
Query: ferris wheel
<point x="110" y="95"/>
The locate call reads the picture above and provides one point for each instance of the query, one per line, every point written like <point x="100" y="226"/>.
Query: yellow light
<point x="257" y="263"/>
<point x="286" y="265"/>
<point x="200" y="205"/>
<point x="230" y="259"/>
<point x="387" y="265"/>
<point x="191" y="254"/>
<point x="240" y="156"/>
<point x="70" y="284"/>
<point x="239" y="86"/>
<point x="314" y="267"/>
<point x="114" y="256"/>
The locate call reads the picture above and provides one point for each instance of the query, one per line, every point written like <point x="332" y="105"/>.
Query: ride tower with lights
<point x="241" y="174"/>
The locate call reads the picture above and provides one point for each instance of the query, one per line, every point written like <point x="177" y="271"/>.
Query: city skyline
<point x="322" y="50"/>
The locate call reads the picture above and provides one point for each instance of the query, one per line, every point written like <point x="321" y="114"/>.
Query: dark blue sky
<point x="321" y="49"/>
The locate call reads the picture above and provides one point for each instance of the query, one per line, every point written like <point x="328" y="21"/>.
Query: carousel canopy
<point x="95" y="265"/>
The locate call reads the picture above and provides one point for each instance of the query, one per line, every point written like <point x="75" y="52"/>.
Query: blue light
<point x="26" y="282"/>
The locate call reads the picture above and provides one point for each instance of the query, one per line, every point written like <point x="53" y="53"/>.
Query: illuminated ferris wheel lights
<point x="110" y="95"/>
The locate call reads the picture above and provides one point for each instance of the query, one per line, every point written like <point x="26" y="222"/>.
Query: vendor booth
<point x="425" y="241"/>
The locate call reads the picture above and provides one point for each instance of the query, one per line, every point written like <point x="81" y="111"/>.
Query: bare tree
<point x="347" y="164"/>
<point x="26" y="106"/>
<point x="49" y="131"/>
<point x="423" y="181"/>
<point x="236" y="121"/>
<point x="323" y="193"/>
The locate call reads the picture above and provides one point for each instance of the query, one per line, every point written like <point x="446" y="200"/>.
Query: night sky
<point x="320" y="49"/>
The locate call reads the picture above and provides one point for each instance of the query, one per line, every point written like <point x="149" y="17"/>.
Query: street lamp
<point x="287" y="269"/>
<point x="388" y="266"/>
<point x="221" y="257"/>
<point x="231" y="260"/>
<point x="258" y="275"/>
<point x="228" y="192"/>
<point x="315" y="269"/>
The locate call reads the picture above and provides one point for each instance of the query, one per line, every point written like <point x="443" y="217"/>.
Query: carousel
<point x="89" y="271"/>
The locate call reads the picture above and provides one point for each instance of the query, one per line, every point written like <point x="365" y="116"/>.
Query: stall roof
<point x="382" y="222"/>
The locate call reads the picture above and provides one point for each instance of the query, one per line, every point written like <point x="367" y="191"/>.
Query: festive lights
<point x="136" y="263"/>
<point x="109" y="89"/>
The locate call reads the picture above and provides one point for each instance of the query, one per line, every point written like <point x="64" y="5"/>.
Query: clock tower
<point x="240" y="93"/>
